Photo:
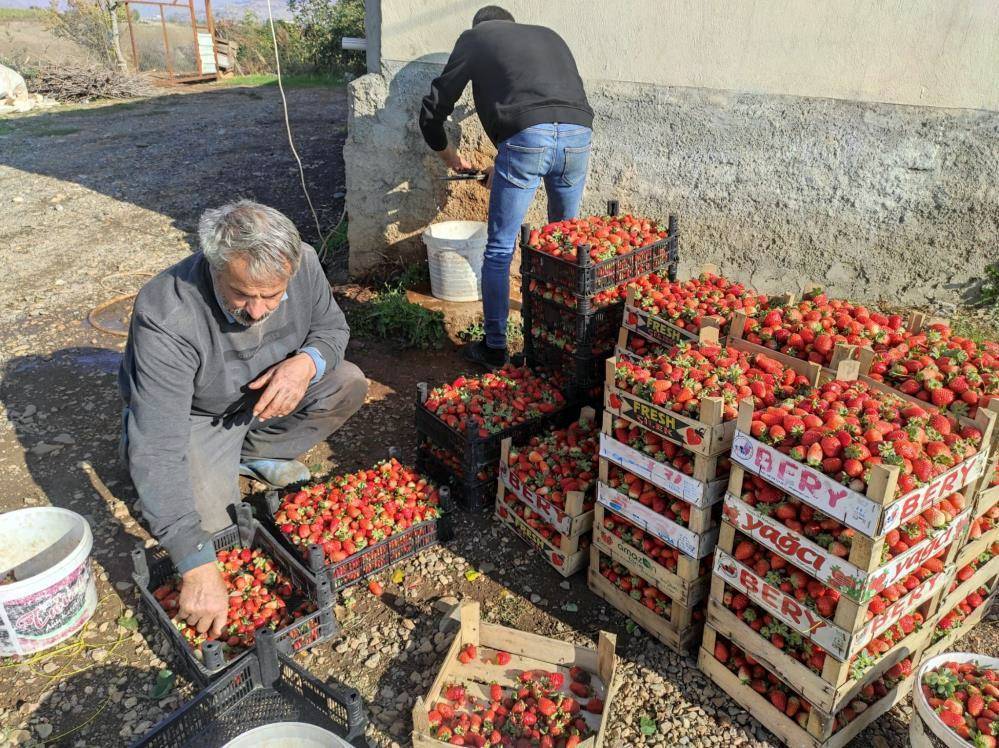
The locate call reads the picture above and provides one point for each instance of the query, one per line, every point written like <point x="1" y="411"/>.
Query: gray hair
<point x="266" y="237"/>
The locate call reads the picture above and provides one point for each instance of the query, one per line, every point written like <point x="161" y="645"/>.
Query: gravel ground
<point x="91" y="200"/>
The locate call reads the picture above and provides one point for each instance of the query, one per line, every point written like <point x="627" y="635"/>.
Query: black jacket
<point x="521" y="76"/>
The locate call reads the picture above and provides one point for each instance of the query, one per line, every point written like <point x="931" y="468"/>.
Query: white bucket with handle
<point x="454" y="254"/>
<point x="47" y="591"/>
<point x="927" y="730"/>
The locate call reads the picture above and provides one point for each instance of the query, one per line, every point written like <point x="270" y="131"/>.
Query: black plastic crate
<point x="154" y="567"/>
<point x="264" y="688"/>
<point x="585" y="277"/>
<point x="466" y="488"/>
<point x="374" y="558"/>
<point x="584" y="328"/>
<point x="473" y="449"/>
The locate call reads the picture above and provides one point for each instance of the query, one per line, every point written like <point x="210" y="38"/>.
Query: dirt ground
<point x="94" y="200"/>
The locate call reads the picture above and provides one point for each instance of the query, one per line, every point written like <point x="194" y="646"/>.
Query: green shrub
<point x="323" y="25"/>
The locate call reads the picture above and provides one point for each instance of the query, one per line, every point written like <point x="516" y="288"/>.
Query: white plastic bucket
<point x="53" y="594"/>
<point x="454" y="253"/>
<point x="288" y="735"/>
<point x="928" y="723"/>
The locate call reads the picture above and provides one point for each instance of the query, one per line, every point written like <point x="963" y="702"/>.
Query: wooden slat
<point x="534" y="646"/>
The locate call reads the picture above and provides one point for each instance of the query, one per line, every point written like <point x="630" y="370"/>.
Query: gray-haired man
<point x="234" y="364"/>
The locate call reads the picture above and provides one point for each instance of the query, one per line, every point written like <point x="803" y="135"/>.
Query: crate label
<point x="659" y="474"/>
<point x="811" y="486"/>
<point x="663" y="422"/>
<point x="796" y="615"/>
<point x="810" y="556"/>
<point x="833" y="570"/>
<point x="638" y="563"/>
<point x="922" y="498"/>
<point x="835" y="640"/>
<point x="552" y="514"/>
<point x="555" y="558"/>
<point x="655" y="328"/>
<point x="655" y="524"/>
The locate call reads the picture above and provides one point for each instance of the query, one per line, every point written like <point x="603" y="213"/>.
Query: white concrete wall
<point x="940" y="53"/>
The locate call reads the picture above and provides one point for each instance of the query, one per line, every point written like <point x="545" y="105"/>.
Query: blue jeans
<point x="559" y="154"/>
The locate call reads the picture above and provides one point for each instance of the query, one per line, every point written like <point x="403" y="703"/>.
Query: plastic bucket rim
<point x="477" y="235"/>
<point x="63" y="567"/>
<point x="923" y="709"/>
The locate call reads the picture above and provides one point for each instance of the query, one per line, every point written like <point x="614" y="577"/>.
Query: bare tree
<point x="94" y="25"/>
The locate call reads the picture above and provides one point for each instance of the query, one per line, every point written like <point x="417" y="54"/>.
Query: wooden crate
<point x="986" y="577"/>
<point x="987" y="496"/>
<point x="572" y="520"/>
<point x="835" y="687"/>
<point x="873" y="514"/>
<point x="659" y="329"/>
<point x="707" y="434"/>
<point x="680" y="633"/>
<point x="704" y="488"/>
<point x="848" y="631"/>
<point x="686" y="585"/>
<point x="971" y="550"/>
<point x="566" y="560"/>
<point x="624" y="351"/>
<point x="527" y="652"/>
<point x="698" y="540"/>
<point x="858" y="577"/>
<point x="819" y="731"/>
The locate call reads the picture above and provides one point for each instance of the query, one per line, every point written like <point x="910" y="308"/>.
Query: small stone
<point x="44" y="729"/>
<point x="408" y="624"/>
<point x="130" y="702"/>
<point x="372" y="662"/>
<point x="535" y="598"/>
<point x="19" y="737"/>
<point x="565" y="585"/>
<point x="99" y="655"/>
<point x="49" y="667"/>
<point x="123" y="586"/>
<point x="64" y="439"/>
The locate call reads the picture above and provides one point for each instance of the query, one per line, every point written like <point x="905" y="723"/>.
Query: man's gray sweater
<point x="185" y="359"/>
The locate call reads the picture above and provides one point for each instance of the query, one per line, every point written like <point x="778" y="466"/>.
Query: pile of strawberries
<point x="953" y="619"/>
<point x="836" y="537"/>
<point x="558" y="462"/>
<point x="606" y="236"/>
<point x="638" y="589"/>
<point x="967" y="571"/>
<point x="966" y="698"/>
<point x="493" y="401"/>
<point x="944" y="369"/>
<point x="663" y="554"/>
<point x="983" y="524"/>
<point x="538" y="523"/>
<point x="812" y="328"/>
<point x="844" y="428"/>
<point x="661" y="450"/>
<point x="536" y="711"/>
<point x="259" y="597"/>
<point x="563" y="297"/>
<point x="350" y="512"/>
<point x="751" y="673"/>
<point x="689" y="372"/>
<point x="649" y="495"/>
<point x="686" y="304"/>
<point x="642" y="347"/>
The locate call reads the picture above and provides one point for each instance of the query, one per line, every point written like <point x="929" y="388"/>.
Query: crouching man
<point x="234" y="365"/>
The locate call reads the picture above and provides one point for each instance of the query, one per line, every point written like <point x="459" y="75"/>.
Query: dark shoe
<point x="481" y="354"/>
<point x="275" y="473"/>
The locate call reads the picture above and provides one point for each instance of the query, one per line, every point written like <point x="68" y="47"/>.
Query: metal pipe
<point x="131" y="36"/>
<point x="166" y="43"/>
